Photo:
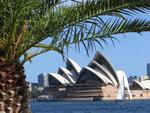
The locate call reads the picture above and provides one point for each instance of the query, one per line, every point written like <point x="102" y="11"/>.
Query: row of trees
<point x="29" y="28"/>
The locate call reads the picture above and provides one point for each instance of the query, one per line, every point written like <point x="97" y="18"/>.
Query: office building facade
<point x="43" y="80"/>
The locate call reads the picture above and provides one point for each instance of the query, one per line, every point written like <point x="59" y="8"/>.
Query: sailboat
<point x="123" y="82"/>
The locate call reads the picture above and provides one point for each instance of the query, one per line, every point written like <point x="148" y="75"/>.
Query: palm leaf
<point x="108" y="30"/>
<point x="33" y="21"/>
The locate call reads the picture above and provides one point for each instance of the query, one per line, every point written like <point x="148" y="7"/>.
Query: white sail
<point x="123" y="81"/>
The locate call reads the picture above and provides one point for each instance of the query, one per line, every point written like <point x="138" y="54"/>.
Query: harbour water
<point x="134" y="106"/>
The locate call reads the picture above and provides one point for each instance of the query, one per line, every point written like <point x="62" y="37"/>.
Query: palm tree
<point x="29" y="28"/>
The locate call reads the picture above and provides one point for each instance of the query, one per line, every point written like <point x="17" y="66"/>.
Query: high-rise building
<point x="148" y="70"/>
<point x="43" y="80"/>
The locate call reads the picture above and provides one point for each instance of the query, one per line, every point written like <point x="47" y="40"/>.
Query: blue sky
<point x="130" y="54"/>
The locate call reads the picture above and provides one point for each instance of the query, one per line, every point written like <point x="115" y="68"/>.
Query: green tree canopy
<point x="26" y="24"/>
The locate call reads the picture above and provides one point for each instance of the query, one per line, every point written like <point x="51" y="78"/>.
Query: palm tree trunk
<point x="14" y="93"/>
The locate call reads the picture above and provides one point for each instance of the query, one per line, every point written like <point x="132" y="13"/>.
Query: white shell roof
<point x="60" y="78"/>
<point x="75" y="65"/>
<point x="68" y="74"/>
<point x="138" y="83"/>
<point x="120" y="75"/>
<point x="110" y="67"/>
<point x="123" y="81"/>
<point x="107" y="73"/>
<point x="99" y="75"/>
<point x="145" y="84"/>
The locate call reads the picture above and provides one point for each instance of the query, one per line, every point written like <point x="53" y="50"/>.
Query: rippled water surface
<point x="139" y="106"/>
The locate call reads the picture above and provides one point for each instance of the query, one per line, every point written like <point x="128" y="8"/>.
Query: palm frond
<point x="65" y="16"/>
<point x="40" y="49"/>
<point x="62" y="17"/>
<point x="26" y="24"/>
<point x="89" y="36"/>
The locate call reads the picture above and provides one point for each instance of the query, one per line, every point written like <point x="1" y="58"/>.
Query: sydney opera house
<point x="97" y="81"/>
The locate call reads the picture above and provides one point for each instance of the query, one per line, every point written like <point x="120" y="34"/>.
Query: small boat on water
<point x="45" y="98"/>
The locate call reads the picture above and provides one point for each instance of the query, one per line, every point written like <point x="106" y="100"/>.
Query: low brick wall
<point x="109" y="92"/>
<point x="140" y="94"/>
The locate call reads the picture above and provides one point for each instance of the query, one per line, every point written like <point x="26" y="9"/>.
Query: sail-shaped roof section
<point x="96" y="66"/>
<point x="101" y="59"/>
<point x="89" y="73"/>
<point x="67" y="74"/>
<point x="123" y="81"/>
<point x="137" y="85"/>
<point x="60" y="78"/>
<point x="144" y="85"/>
<point x="121" y="74"/>
<point x="71" y="64"/>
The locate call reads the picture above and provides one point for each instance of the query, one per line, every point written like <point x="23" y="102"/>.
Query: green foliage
<point x="31" y="27"/>
<point x="35" y="93"/>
